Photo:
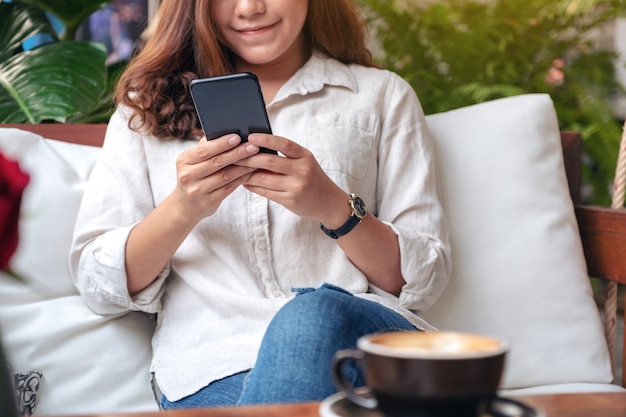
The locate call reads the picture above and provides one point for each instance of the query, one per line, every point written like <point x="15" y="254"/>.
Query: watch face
<point x="359" y="207"/>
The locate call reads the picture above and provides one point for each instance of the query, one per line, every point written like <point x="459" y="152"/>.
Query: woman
<point x="218" y="238"/>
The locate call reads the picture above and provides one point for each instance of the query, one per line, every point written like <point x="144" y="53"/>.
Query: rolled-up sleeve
<point x="408" y="199"/>
<point x="116" y="198"/>
<point x="425" y="264"/>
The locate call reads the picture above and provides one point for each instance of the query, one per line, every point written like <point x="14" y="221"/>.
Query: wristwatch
<point x="358" y="212"/>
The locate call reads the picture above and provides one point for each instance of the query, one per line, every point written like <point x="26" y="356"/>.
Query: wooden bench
<point x="602" y="229"/>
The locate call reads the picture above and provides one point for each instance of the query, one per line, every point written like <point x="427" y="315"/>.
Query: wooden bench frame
<point x="602" y="229"/>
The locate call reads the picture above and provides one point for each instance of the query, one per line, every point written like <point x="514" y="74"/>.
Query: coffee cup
<point x="424" y="373"/>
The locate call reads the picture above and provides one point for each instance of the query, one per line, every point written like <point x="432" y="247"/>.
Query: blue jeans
<point x="295" y="356"/>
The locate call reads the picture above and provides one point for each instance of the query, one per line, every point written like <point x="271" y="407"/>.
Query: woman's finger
<point x="283" y="145"/>
<point x="206" y="149"/>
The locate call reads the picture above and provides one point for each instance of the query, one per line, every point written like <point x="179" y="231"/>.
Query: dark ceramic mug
<point x="424" y="374"/>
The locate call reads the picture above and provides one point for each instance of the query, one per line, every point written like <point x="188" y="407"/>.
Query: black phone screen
<point x="230" y="104"/>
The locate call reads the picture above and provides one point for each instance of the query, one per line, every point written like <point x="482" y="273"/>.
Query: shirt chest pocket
<point x="344" y="143"/>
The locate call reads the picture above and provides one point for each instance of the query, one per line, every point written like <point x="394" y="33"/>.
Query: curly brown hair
<point x="184" y="45"/>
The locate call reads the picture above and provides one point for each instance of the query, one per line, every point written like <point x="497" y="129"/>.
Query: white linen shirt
<point x="238" y="267"/>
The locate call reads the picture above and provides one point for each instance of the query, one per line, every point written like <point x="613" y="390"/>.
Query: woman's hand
<point x="295" y="181"/>
<point x="208" y="173"/>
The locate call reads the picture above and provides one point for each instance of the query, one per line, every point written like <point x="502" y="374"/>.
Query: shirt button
<point x="278" y="294"/>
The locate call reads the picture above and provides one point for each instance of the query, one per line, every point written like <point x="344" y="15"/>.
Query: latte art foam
<point x="432" y="345"/>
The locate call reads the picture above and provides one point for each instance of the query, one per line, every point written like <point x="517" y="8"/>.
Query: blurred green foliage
<point x="461" y="52"/>
<point x="453" y="52"/>
<point x="63" y="80"/>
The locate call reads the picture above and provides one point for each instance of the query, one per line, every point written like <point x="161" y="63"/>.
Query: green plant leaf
<point x="17" y="23"/>
<point x="52" y="82"/>
<point x="105" y="108"/>
<point x="71" y="12"/>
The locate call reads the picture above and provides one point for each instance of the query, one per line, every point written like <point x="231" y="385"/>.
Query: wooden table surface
<point x="561" y="405"/>
<point x="579" y="405"/>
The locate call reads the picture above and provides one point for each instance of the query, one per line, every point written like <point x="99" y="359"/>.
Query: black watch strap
<point x="344" y="229"/>
<point x="358" y="212"/>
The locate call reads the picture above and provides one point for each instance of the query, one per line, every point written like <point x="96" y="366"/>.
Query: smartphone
<point x="230" y="103"/>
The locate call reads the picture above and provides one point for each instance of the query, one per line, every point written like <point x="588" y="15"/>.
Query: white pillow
<point x="58" y="173"/>
<point x="518" y="265"/>
<point x="91" y="364"/>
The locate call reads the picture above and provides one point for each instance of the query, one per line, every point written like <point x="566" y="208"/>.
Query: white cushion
<point x="58" y="172"/>
<point x="90" y="363"/>
<point x="519" y="270"/>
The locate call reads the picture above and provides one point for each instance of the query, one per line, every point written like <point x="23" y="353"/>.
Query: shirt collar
<point x="318" y="72"/>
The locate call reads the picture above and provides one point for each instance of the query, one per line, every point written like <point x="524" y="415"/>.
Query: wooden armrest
<point x="85" y="134"/>
<point x="602" y="229"/>
<point x="603" y="234"/>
